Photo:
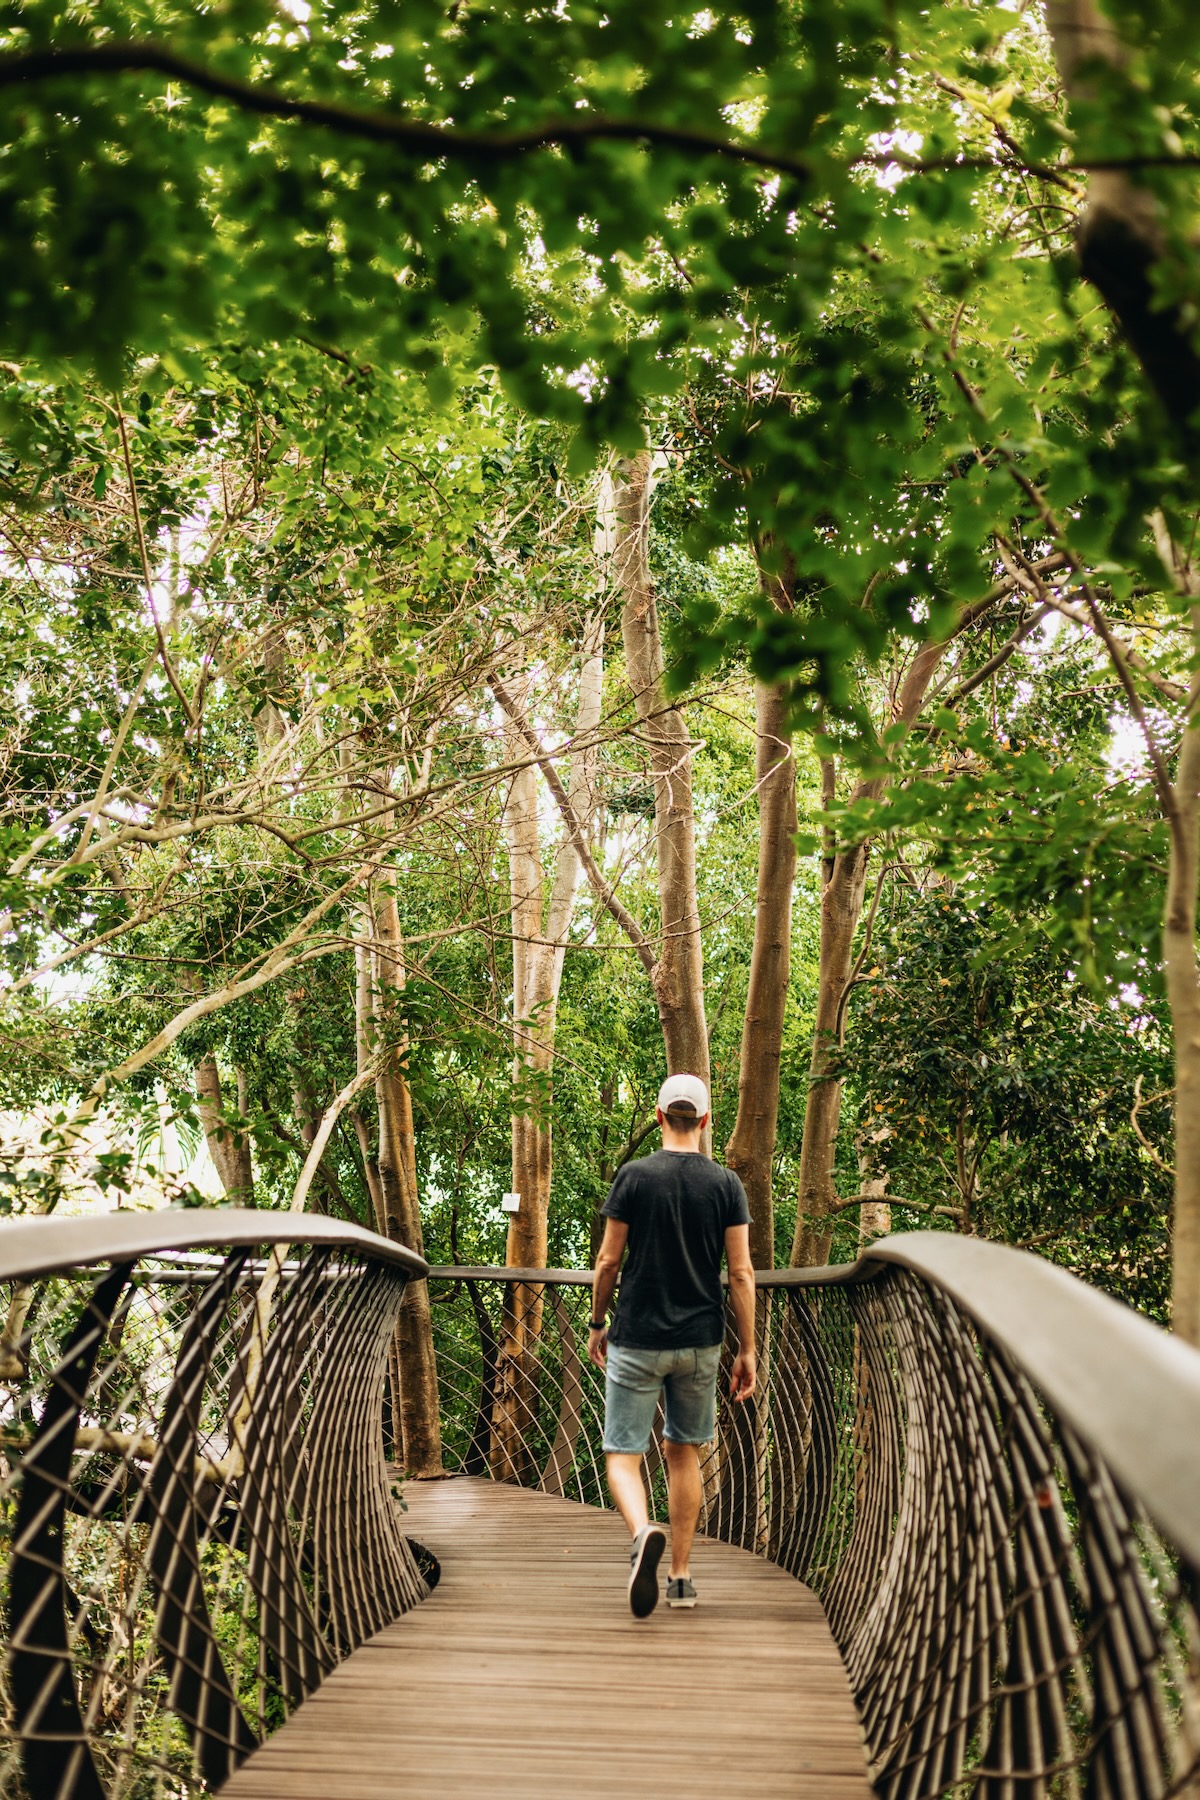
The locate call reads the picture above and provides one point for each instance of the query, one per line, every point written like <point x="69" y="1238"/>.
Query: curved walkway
<point x="524" y="1674"/>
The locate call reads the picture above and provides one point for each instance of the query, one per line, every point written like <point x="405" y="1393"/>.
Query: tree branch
<point x="168" y="666"/>
<point x="1139" y="1134"/>
<point x="333" y="1113"/>
<point x="1052" y="601"/>
<point x="1118" y="655"/>
<point x="950" y="1212"/>
<point x="422" y="137"/>
<point x="603" y="889"/>
<point x="997" y="660"/>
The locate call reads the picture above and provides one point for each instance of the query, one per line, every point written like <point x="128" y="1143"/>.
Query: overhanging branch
<point x="601" y="886"/>
<point x="421" y="137"/>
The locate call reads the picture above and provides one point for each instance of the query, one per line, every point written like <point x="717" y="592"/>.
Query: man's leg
<point x="628" y="1490"/>
<point x="632" y="1388"/>
<point x="691" y="1407"/>
<point x="685" y="1492"/>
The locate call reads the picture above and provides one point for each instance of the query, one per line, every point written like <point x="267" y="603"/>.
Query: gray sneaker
<point x="644" y="1559"/>
<point x="681" y="1591"/>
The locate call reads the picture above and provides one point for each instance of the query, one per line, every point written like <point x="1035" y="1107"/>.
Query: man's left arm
<point x="744" y="1373"/>
<point x="608" y="1265"/>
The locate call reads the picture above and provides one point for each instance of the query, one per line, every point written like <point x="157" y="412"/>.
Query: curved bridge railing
<point x="195" y="1510"/>
<point x="989" y="1472"/>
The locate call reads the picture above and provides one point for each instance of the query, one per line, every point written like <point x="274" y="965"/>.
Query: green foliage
<point x="345" y="384"/>
<point x="992" y="1084"/>
<point x="1054" y="838"/>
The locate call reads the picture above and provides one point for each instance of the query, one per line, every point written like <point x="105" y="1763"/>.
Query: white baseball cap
<point x="681" y="1091"/>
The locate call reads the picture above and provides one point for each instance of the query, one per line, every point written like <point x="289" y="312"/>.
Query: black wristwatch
<point x="597" y="1324"/>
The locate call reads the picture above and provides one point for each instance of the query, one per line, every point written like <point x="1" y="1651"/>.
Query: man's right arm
<point x="741" y="1295"/>
<point x="608" y="1265"/>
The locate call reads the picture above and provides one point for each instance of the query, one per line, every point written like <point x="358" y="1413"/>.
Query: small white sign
<point x="511" y="1202"/>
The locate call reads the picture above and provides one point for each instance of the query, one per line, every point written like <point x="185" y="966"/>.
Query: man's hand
<point x="598" y="1347"/>
<point x="743" y="1376"/>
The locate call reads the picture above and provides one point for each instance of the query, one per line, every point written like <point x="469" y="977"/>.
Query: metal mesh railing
<point x="195" y="1509"/>
<point x="989" y="1473"/>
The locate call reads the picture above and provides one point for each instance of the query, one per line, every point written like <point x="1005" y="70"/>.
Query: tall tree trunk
<point x="364" y="1034"/>
<point x="535" y="996"/>
<point x="841" y="909"/>
<point x="1120" y="234"/>
<point x="1182" y="971"/>
<point x="675" y="969"/>
<point x="750" y="1152"/>
<point x="305" y="1110"/>
<point x="679" y="967"/>
<point x="364" y="1027"/>
<point x="875" y="1214"/>
<point x="540" y="924"/>
<point x="751" y="1148"/>
<point x="229" y="1149"/>
<point x="1183" y="993"/>
<point x="845" y="882"/>
<point x="514" y="1408"/>
<point x="1122" y="244"/>
<point x="420" y="1425"/>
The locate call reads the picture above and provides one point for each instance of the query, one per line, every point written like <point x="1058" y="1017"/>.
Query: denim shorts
<point x="633" y="1383"/>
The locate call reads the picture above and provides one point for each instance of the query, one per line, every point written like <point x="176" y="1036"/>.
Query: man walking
<point x="676" y="1212"/>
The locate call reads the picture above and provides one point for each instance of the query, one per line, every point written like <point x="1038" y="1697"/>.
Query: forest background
<point x="542" y="545"/>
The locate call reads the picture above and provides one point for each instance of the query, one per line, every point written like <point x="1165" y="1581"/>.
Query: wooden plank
<point x="525" y="1674"/>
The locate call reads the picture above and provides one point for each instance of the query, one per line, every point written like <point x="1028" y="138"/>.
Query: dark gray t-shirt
<point x="677" y="1205"/>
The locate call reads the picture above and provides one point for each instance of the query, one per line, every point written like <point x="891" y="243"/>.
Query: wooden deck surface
<point x="525" y="1674"/>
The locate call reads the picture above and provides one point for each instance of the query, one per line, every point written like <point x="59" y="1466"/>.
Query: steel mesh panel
<point x="195" y="1511"/>
<point x="197" y="1522"/>
<point x="1012" y="1625"/>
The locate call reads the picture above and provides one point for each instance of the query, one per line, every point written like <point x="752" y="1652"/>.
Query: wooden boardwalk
<point x="525" y="1675"/>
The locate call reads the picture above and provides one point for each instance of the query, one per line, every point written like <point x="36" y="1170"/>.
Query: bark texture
<point x="841" y="909"/>
<point x="678" y="975"/>
<point x="229" y="1149"/>
<point x="420" y="1428"/>
<point x="540" y="923"/>
<point x="1120" y="236"/>
<point x="874" y="1214"/>
<point x="1183" y="993"/>
<point x="750" y="1151"/>
<point x="1182" y="973"/>
<point x="845" y="880"/>
<point x="364" y="1026"/>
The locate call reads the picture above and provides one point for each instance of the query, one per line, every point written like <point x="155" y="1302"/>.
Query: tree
<point x="750" y="1151"/>
<point x="677" y="974"/>
<point x="879" y="225"/>
<point x="1011" y="1097"/>
<point x="540" y="925"/>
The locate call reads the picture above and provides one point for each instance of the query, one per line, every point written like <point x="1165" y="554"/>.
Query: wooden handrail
<point x="42" y="1246"/>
